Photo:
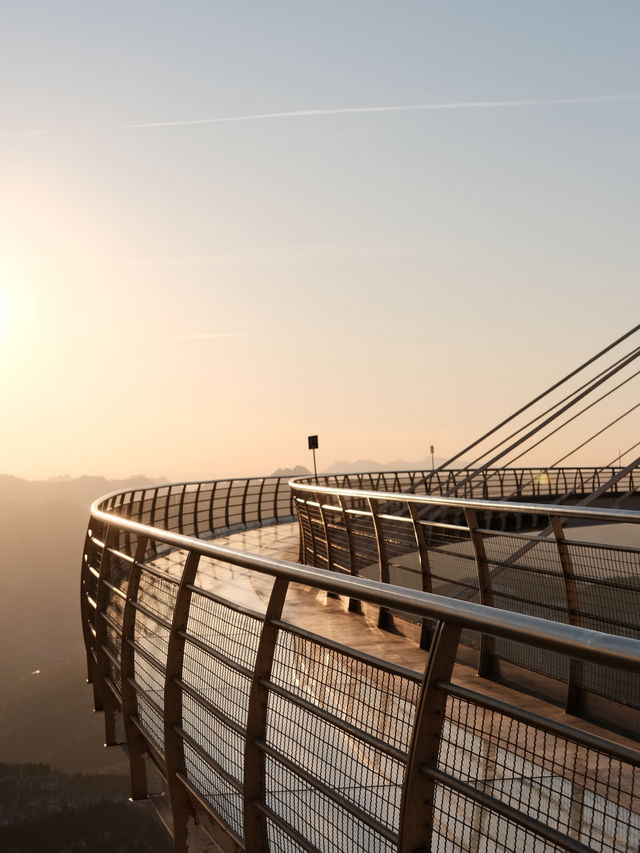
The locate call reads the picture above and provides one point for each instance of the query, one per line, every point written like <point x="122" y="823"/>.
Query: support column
<point x="173" y="744"/>
<point x="327" y="542"/>
<point x="255" y="824"/>
<point x="385" y="618"/>
<point x="110" y="704"/>
<point x="136" y="746"/>
<point x="426" y="634"/>
<point x="574" y="677"/>
<point x="487" y="644"/>
<point x="417" y="805"/>
<point x="354" y="606"/>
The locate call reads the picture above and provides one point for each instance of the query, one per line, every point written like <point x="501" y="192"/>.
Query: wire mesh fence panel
<point x="317" y="817"/>
<point x="579" y="790"/>
<point x="608" y="591"/>
<point x="224" y="800"/>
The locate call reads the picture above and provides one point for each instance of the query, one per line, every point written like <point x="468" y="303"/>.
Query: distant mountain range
<point x="78" y="491"/>
<point x="360" y="465"/>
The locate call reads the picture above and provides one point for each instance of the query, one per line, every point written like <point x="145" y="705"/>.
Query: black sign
<point x="313" y="442"/>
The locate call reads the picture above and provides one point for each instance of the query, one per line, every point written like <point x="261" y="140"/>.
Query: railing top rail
<point x="154" y="488"/>
<point x="563" y="510"/>
<point x="567" y="639"/>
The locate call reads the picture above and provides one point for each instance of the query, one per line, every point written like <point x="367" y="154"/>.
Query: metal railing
<point x="496" y="483"/>
<point x="475" y="551"/>
<point x="271" y="737"/>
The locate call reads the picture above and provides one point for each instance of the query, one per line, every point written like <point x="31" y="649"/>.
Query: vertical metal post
<point x="574" y="677"/>
<point x="418" y="791"/>
<point x="109" y="702"/>
<point x="276" y="513"/>
<point x="314" y="552"/>
<point x="487" y="644"/>
<point x="173" y="744"/>
<point x="255" y="826"/>
<point x="262" y="482"/>
<point x="154" y="502"/>
<point x="426" y="634"/>
<point x="327" y="542"/>
<point x="85" y="608"/>
<point x="166" y="508"/>
<point x="135" y="744"/>
<point x="226" y="504"/>
<point x="196" y="501"/>
<point x="243" y="511"/>
<point x="212" y="525"/>
<point x="385" y="619"/>
<point x="354" y="606"/>
<point x="181" y="509"/>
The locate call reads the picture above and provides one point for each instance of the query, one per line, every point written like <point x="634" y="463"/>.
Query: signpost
<point x="313" y="445"/>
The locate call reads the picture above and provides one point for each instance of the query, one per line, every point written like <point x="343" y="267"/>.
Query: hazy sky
<point x="186" y="294"/>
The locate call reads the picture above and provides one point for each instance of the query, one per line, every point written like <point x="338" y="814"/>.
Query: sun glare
<point x="4" y="313"/>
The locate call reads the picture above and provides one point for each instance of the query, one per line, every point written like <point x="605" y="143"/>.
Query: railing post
<point x="355" y="605"/>
<point x="196" y="501"/>
<point x="385" y="618"/>
<point x="166" y="508"/>
<point x="327" y="542"/>
<point x="109" y="702"/>
<point x="226" y="505"/>
<point x="181" y="509"/>
<point x="85" y="610"/>
<point x="243" y="511"/>
<point x="135" y="744"/>
<point x="212" y="524"/>
<point x="152" y="511"/>
<point x="574" y="677"/>
<point x="426" y="634"/>
<point x="314" y="553"/>
<point x="255" y="825"/>
<point x="276" y="514"/>
<point x="418" y="791"/>
<point x="173" y="744"/>
<point x="487" y="644"/>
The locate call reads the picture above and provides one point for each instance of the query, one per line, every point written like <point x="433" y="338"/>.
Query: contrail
<point x="403" y="108"/>
<point x="209" y="336"/>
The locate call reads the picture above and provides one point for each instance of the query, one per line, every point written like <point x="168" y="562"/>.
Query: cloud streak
<point x="210" y="336"/>
<point x="402" y="108"/>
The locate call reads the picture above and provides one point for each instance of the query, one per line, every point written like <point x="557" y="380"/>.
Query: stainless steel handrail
<point x="470" y="550"/>
<point x="593" y="514"/>
<point x="269" y="736"/>
<point x="592" y="645"/>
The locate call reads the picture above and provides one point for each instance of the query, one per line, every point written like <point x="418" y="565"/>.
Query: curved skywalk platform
<point x="281" y="718"/>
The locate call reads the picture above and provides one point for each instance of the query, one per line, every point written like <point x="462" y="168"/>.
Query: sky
<point x="225" y="226"/>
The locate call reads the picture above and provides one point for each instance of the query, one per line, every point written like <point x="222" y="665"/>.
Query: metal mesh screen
<point x="377" y="701"/>
<point x="224" y="800"/>
<point x="317" y="817"/>
<point x="574" y="788"/>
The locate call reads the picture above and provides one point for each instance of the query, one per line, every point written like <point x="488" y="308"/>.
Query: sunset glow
<point x="225" y="233"/>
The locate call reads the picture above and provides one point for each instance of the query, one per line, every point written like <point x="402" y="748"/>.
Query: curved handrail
<point x="592" y="514"/>
<point x="512" y="554"/>
<point x="492" y="482"/>
<point x="269" y="736"/>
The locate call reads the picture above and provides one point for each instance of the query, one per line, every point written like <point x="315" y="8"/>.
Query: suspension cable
<point x="596" y="434"/>
<point x="569" y="420"/>
<point x="536" y="399"/>
<point x="550" y="409"/>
